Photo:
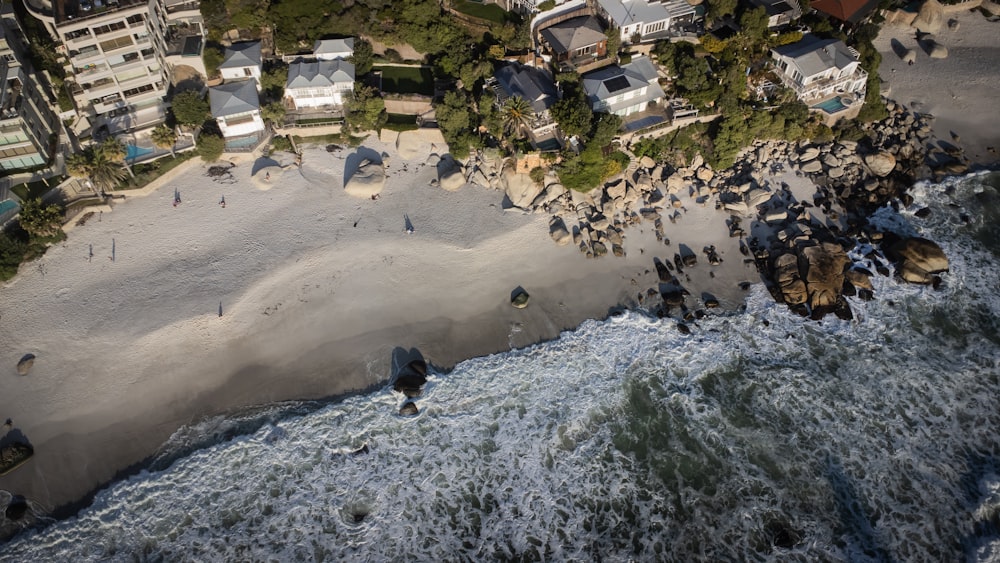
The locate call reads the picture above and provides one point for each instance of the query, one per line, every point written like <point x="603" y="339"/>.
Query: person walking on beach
<point x="222" y="202"/>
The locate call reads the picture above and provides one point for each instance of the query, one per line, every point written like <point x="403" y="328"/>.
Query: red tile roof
<point x="851" y="11"/>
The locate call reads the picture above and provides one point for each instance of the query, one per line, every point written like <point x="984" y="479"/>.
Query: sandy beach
<point x="960" y="91"/>
<point x="152" y="316"/>
<point x="315" y="290"/>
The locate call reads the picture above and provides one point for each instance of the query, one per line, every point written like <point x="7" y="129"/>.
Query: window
<point x="134" y="20"/>
<point x="247" y="72"/>
<point x="102" y="29"/>
<point x="137" y="91"/>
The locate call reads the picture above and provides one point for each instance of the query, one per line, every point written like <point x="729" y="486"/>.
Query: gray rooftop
<point x="611" y="81"/>
<point x="574" y="33"/>
<point x="239" y="55"/>
<point x="333" y="46"/>
<point x="630" y="12"/>
<point x="234" y="98"/>
<point x="532" y="84"/>
<point x="813" y="55"/>
<point x="319" y="74"/>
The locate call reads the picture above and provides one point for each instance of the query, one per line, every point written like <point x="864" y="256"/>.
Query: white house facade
<point x="319" y="84"/>
<point x="817" y="68"/>
<point x="650" y="20"/>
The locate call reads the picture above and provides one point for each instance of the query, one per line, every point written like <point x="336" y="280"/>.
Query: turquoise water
<point x="133" y="152"/>
<point x="831" y="106"/>
<point x="761" y="436"/>
<point x="242" y="143"/>
<point x="7" y="205"/>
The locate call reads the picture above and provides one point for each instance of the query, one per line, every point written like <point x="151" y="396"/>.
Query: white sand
<point x="316" y="289"/>
<point x="961" y="91"/>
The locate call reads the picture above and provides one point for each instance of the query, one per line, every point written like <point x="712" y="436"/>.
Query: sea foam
<point x="761" y="436"/>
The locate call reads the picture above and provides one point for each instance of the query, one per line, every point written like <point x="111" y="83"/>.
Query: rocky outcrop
<point x="930" y="17"/>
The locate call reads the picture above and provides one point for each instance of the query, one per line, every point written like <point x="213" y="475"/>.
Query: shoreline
<point x="315" y="289"/>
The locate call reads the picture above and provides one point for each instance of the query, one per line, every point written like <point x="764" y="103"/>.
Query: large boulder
<point x="936" y="50"/>
<point x="918" y="259"/>
<point x="559" y="232"/>
<point x="367" y="181"/>
<point x="930" y="17"/>
<point x="786" y="275"/>
<point x="450" y="175"/>
<point x="881" y="163"/>
<point x="519" y="298"/>
<point x="521" y="190"/>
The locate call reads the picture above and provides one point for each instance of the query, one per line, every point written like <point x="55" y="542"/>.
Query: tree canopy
<point x="39" y="219"/>
<point x="210" y="147"/>
<point x="365" y="109"/>
<point x="190" y="108"/>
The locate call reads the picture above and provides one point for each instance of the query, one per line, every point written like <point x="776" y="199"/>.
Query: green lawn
<point x="407" y="80"/>
<point x="490" y="12"/>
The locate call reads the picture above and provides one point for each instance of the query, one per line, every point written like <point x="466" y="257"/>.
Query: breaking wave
<point x="761" y="436"/>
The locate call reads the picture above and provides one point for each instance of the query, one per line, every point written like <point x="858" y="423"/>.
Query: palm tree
<point x="516" y="113"/>
<point x="95" y="164"/>
<point x="115" y="150"/>
<point x="165" y="137"/>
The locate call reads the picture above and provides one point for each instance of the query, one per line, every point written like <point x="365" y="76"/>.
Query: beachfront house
<point x="624" y="89"/>
<point x="780" y="13"/>
<point x="242" y="60"/>
<point x="575" y="42"/>
<point x="236" y="108"/>
<point x="333" y="49"/>
<point x="319" y="84"/>
<point x="817" y="68"/>
<point x="538" y="88"/>
<point x="644" y="20"/>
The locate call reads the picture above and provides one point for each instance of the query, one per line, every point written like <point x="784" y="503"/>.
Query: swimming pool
<point x="133" y="152"/>
<point x="7" y="205"/>
<point x="831" y="106"/>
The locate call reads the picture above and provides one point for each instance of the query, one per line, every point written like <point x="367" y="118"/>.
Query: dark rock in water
<point x="688" y="316"/>
<point x="699" y="314"/>
<point x="361" y="451"/>
<point x="683" y="328"/>
<point x="359" y="517"/>
<point x="409" y="408"/>
<point x="849" y="290"/>
<point x="866" y="294"/>
<point x="923" y="213"/>
<point x="917" y="259"/>
<point x="418" y="365"/>
<point x="780" y="534"/>
<point x="882" y="269"/>
<point x="711" y="303"/>
<point x="25" y="364"/>
<point x="520" y="298"/>
<point x="411" y="378"/>
<point x="17" y="508"/>
<point x="843" y="310"/>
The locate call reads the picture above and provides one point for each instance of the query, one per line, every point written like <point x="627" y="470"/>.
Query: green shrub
<point x="281" y="143"/>
<point x="546" y="5"/>
<point x="537" y="174"/>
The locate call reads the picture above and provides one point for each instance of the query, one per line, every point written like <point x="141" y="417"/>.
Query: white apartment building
<point x="28" y="125"/>
<point x="115" y="54"/>
<point x="816" y="68"/>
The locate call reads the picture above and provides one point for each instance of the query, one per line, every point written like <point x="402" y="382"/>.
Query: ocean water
<point x="762" y="436"/>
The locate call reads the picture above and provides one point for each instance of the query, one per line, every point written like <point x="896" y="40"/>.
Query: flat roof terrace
<point x="75" y="11"/>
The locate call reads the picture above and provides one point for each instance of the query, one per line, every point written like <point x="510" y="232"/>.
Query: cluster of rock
<point x="409" y="380"/>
